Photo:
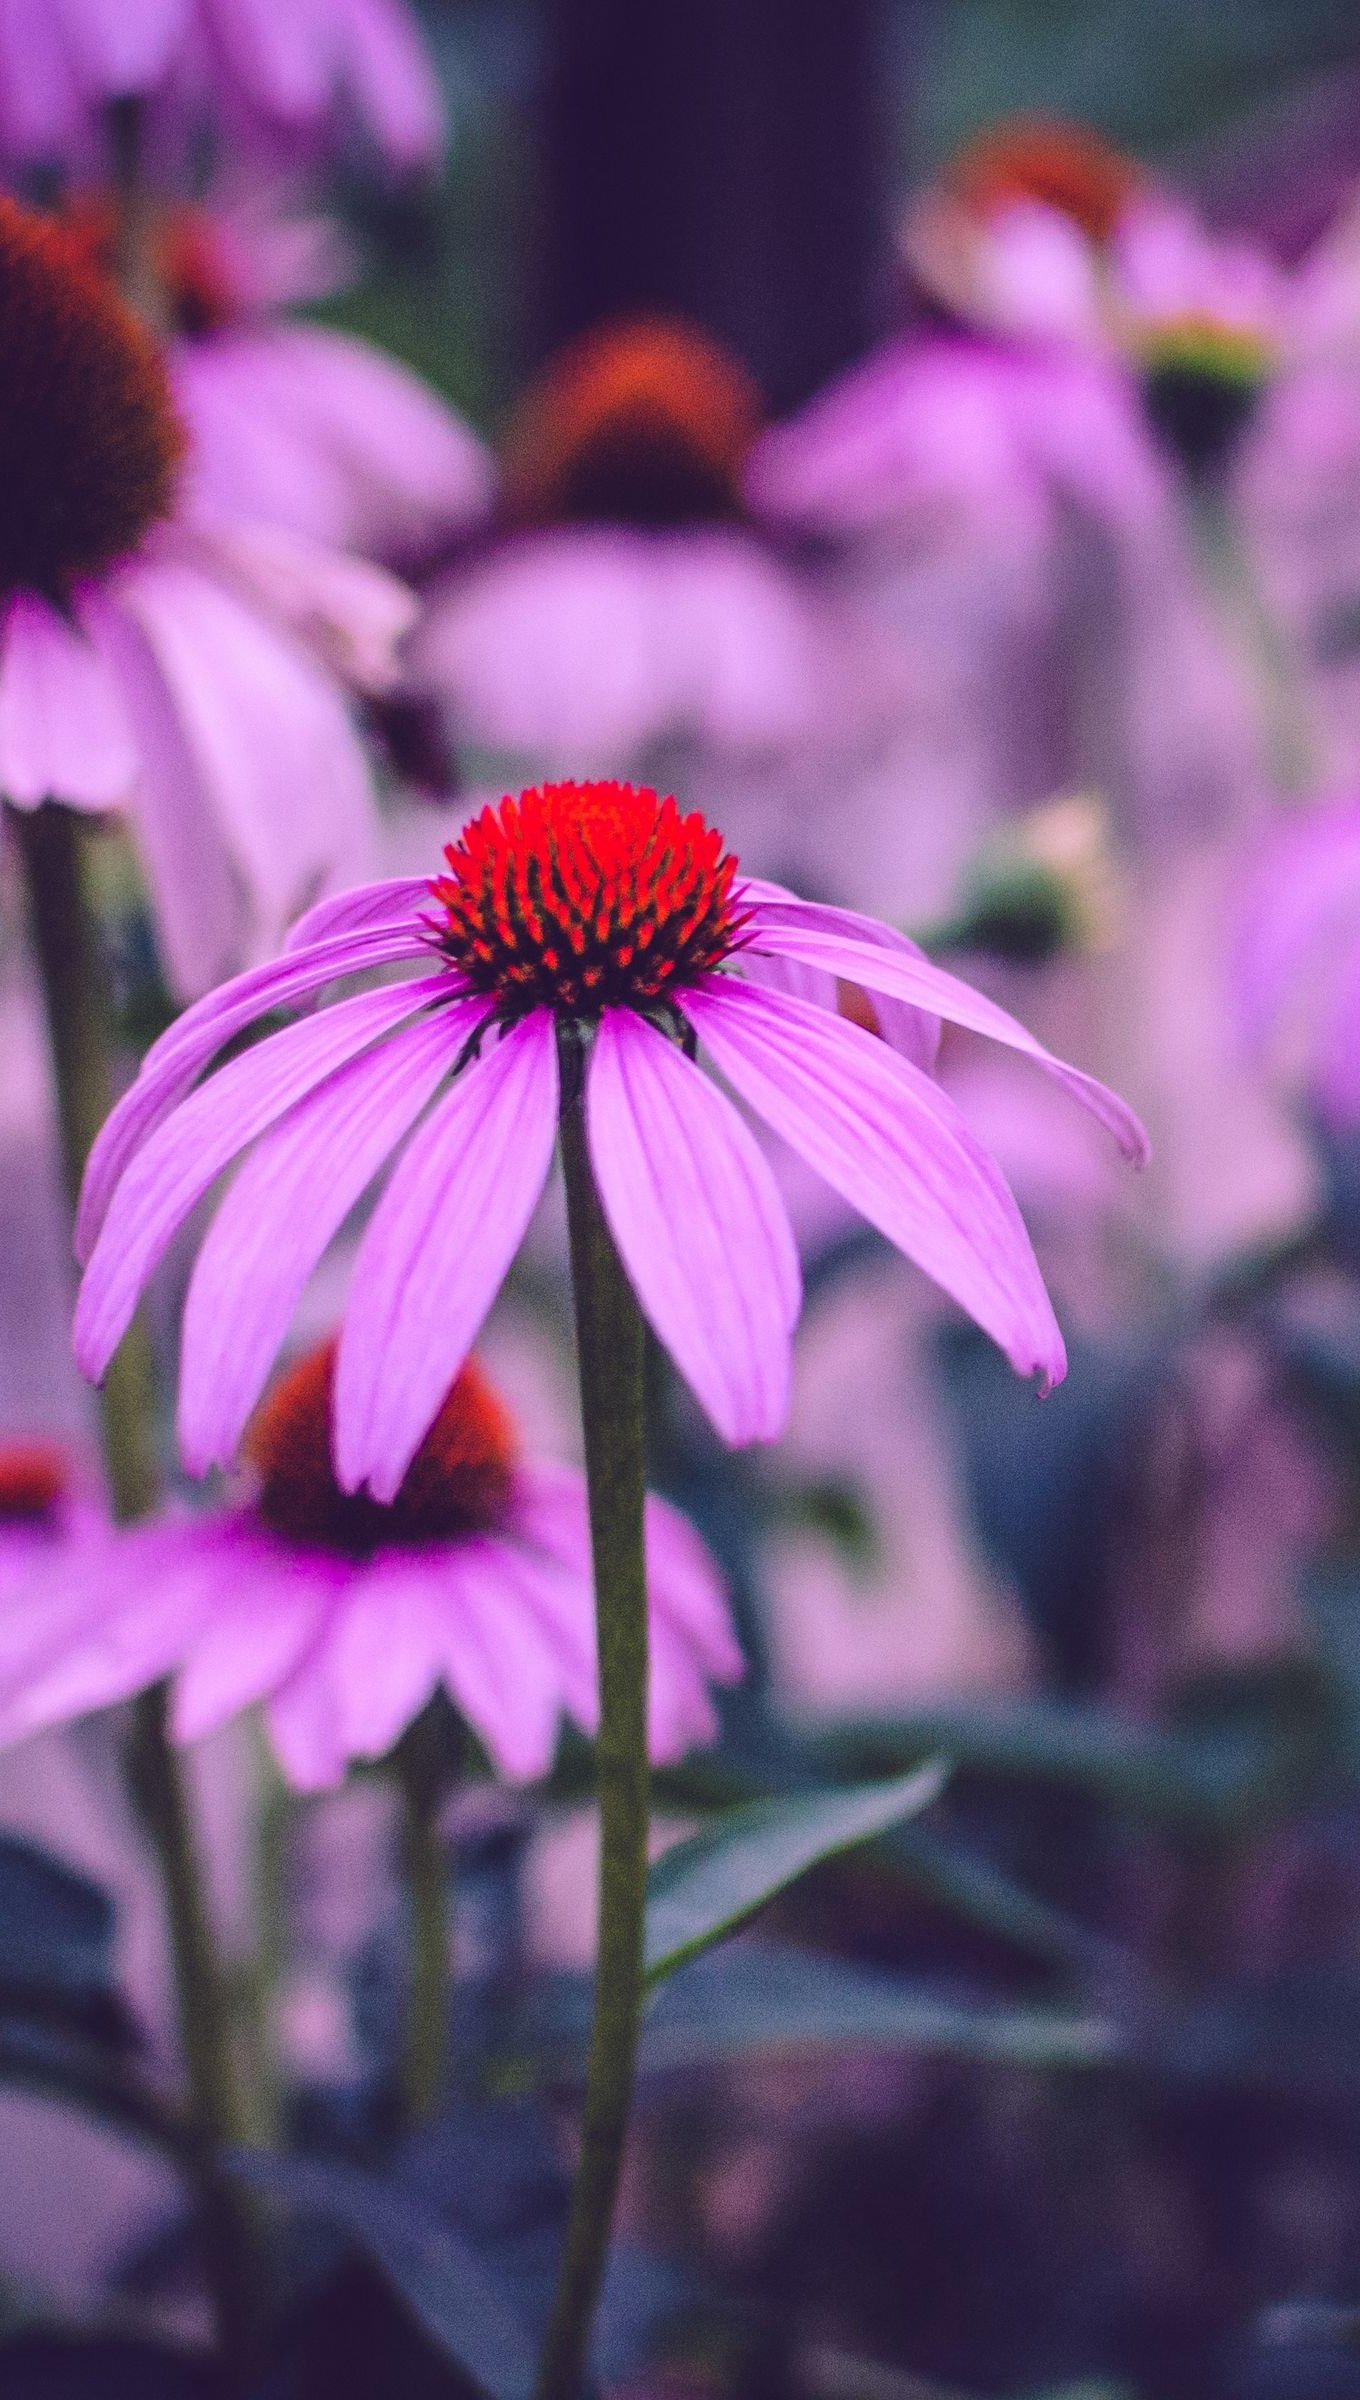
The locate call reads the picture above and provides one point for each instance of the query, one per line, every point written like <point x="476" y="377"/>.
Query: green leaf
<point x="705" y="1887"/>
<point x="732" y="2003"/>
<point x="432" y="2268"/>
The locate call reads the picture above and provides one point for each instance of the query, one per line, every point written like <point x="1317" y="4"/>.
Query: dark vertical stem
<point x="609" y="1342"/>
<point x="76" y="998"/>
<point x="136" y="250"/>
<point x="157" y="1783"/>
<point x="422" y="1780"/>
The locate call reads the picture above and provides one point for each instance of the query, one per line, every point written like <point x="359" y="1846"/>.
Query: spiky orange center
<point x="34" y="1478"/>
<point x="88" y="433"/>
<point x="194" y="274"/>
<point x="1064" y="166"/>
<point x="640" y="423"/>
<point x="581" y="896"/>
<point x="459" y="1482"/>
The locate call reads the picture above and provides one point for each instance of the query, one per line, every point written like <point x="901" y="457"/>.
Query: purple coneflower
<point x="595" y="907"/>
<point x="151" y="662"/>
<point x="344" y="1614"/>
<point x="283" y="67"/>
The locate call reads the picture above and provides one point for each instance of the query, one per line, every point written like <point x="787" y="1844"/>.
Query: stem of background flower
<point x="80" y="1030"/>
<point x="421" y="1773"/>
<point x="136" y="251"/>
<point x="1234" y="575"/>
<point x="609" y="1342"/>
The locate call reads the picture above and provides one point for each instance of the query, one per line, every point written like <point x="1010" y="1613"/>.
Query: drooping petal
<point x="64" y="731"/>
<point x="788" y="933"/>
<point x="393" y="82"/>
<point x="383" y="1651"/>
<point x="286" y="1205"/>
<point x="436" y="1252"/>
<point x="699" y="1222"/>
<point x="184" y="1155"/>
<point x="303" y="1717"/>
<point x="271" y="1611"/>
<point x="173" y="1064"/>
<point x="504" y="1668"/>
<point x="892" y="1144"/>
<point x="137" y="1620"/>
<point x="912" y="1030"/>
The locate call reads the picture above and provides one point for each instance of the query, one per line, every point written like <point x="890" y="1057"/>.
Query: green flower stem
<point x="1233" y="574"/>
<point x="136" y="250"/>
<point x="219" y="2117"/>
<point x="80" y="1029"/>
<point x="422" y="1780"/>
<point x="609" y="1340"/>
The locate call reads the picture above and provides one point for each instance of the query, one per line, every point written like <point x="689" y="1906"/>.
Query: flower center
<point x="459" y="1482"/>
<point x="582" y="896"/>
<point x="1066" y="167"/>
<point x="638" y="424"/>
<point x="33" y="1480"/>
<point x="192" y="268"/>
<point x="88" y="433"/>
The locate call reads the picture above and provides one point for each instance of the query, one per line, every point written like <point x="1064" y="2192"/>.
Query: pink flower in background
<point x="296" y="425"/>
<point x="1297" y="966"/>
<point x="345" y="1615"/>
<point x="151" y="662"/>
<point x="39" y="1511"/>
<point x="627" y="602"/>
<point x="600" y="908"/>
<point x="280" y="67"/>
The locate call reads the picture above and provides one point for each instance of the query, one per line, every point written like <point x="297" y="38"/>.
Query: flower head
<point x="1050" y="161"/>
<point x="344" y="1614"/>
<point x="151" y="661"/>
<point x="644" y="422"/>
<point x="548" y="907"/>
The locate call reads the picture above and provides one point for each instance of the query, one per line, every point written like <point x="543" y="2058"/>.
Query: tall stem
<point x="421" y="1779"/>
<point x="1234" y="576"/>
<point x="75" y="995"/>
<point x="609" y="1342"/>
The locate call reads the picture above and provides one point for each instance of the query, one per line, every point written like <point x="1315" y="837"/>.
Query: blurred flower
<point x="296" y="425"/>
<point x="1297" y="967"/>
<point x="627" y="602"/>
<point x="152" y="662"/>
<point x="38" y="1508"/>
<point x="287" y="68"/>
<point x="345" y="1614"/>
<point x="596" y="907"/>
<point x="1205" y="318"/>
<point x="1047" y="884"/>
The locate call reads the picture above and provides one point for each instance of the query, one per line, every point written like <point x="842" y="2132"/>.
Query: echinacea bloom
<point x="627" y="602"/>
<point x="295" y="424"/>
<point x="152" y="663"/>
<point x="283" y="67"/>
<point x="39" y="1509"/>
<point x="595" y="908"/>
<point x="344" y="1615"/>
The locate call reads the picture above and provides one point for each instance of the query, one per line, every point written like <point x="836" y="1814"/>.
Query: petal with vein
<point x="184" y="1155"/>
<point x="436" y="1252"/>
<point x="699" y="1222"/>
<point x="284" y="1208"/>
<point x="894" y="1145"/>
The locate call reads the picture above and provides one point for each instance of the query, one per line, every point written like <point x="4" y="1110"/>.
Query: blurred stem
<point x="136" y="247"/>
<point x="609" y="1341"/>
<point x="75" y="990"/>
<point x="259" y="1994"/>
<point x="422" y="1780"/>
<point x="219" y="2116"/>
<point x="80" y="1029"/>
<point x="1233" y="574"/>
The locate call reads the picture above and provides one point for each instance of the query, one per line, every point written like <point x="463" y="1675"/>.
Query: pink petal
<point x="382" y="1654"/>
<point x="64" y="731"/>
<point x="504" y="1671"/>
<point x="398" y="901"/>
<point x="269" y="1614"/>
<point x="790" y="933"/>
<point x="891" y="1143"/>
<point x="912" y="1030"/>
<point x="394" y="83"/>
<point x="287" y="1203"/>
<point x="436" y="1252"/>
<point x="124" y="48"/>
<point x="157" y="1587"/>
<point x="699" y="1222"/>
<point x="185" y="1154"/>
<point x="173" y="1064"/>
<point x="303" y="1717"/>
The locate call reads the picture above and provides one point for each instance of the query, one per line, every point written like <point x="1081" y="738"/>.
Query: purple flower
<point x="344" y="1615"/>
<point x="153" y="662"/>
<point x="1297" y="967"/>
<point x="599" y="907"/>
<point x="286" y="67"/>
